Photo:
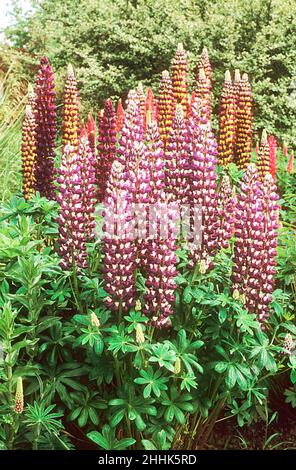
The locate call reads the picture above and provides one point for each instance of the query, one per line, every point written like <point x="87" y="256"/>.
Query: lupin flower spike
<point x="70" y="110"/>
<point x="119" y="116"/>
<point x="263" y="163"/>
<point x="106" y="148"/>
<point x="290" y="164"/>
<point x="142" y="101"/>
<point x="203" y="92"/>
<point x="119" y="247"/>
<point x="226" y="205"/>
<point x="226" y="122"/>
<point x="29" y="153"/>
<point x="180" y="77"/>
<point x="272" y="155"/>
<point x="165" y="106"/>
<point x="205" y="64"/>
<point x="76" y="200"/>
<point x="45" y="115"/>
<point x="285" y="148"/>
<point x="244" y="121"/>
<point x="91" y="132"/>
<point x="19" y="396"/>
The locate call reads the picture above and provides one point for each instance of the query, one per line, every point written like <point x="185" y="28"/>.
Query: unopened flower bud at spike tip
<point x="180" y="47"/>
<point x="177" y="367"/>
<point x="94" y="320"/>
<point x="19" y="396"/>
<point x="237" y="76"/>
<point x="202" y="74"/>
<point x="227" y="76"/>
<point x="264" y="139"/>
<point x="140" y="338"/>
<point x="70" y="70"/>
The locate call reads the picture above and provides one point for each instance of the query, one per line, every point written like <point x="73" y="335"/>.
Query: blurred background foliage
<point x="113" y="44"/>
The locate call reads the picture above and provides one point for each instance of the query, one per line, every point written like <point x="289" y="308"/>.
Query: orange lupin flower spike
<point x="290" y="164"/>
<point x="19" y="396"/>
<point x="272" y="155"/>
<point x="226" y="122"/>
<point x="285" y="148"/>
<point x="180" y="77"/>
<point x="203" y="92"/>
<point x="70" y="110"/>
<point x="120" y="114"/>
<point x="165" y="106"/>
<point x="205" y="64"/>
<point x="29" y="153"/>
<point x="244" y="121"/>
<point x="263" y="165"/>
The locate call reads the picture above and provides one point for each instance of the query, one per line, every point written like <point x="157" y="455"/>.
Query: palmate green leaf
<point x="175" y="404"/>
<point x="163" y="355"/>
<point x="107" y="440"/>
<point x="119" y="341"/>
<point x="134" y="318"/>
<point x="153" y="381"/>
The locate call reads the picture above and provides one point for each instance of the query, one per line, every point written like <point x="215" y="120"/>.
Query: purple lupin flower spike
<point x="262" y="278"/>
<point x="72" y="248"/>
<point x="119" y="246"/>
<point x="225" y="212"/>
<point x="202" y="181"/>
<point x="256" y="239"/>
<point x="160" y="265"/>
<point x="87" y="165"/>
<point x="45" y="115"/>
<point x="75" y="197"/>
<point x="176" y="155"/>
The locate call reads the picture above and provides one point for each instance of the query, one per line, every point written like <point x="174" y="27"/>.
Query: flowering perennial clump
<point x="226" y="122"/>
<point x="180" y="77"/>
<point x="243" y="139"/>
<point x="29" y="153"/>
<point x="71" y="110"/>
<point x="45" y="115"/>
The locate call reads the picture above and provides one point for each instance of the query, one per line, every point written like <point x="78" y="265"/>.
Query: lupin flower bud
<point x="203" y="92"/>
<point x="45" y="115"/>
<point x="119" y="116"/>
<point x="119" y="247"/>
<point x="290" y="164"/>
<point x="176" y="156"/>
<point x="263" y="163"/>
<point x="165" y="106"/>
<point x="289" y="345"/>
<point x="140" y="338"/>
<point x="180" y="77"/>
<point x="106" y="148"/>
<point x="226" y="122"/>
<point x="94" y="320"/>
<point x="70" y="110"/>
<point x="91" y="132"/>
<point x="19" y="396"/>
<point x="75" y="197"/>
<point x="177" y="367"/>
<point x="244" y="119"/>
<point x="272" y="155"/>
<point x="285" y="148"/>
<point x="204" y="64"/>
<point x="29" y="153"/>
